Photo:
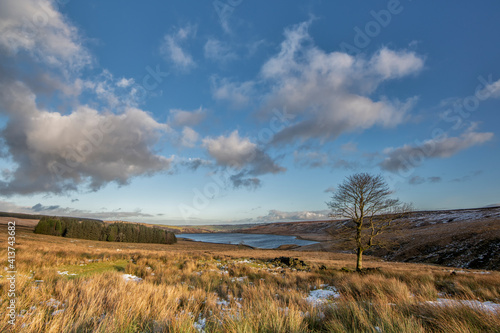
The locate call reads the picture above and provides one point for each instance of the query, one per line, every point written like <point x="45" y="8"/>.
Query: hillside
<point x="467" y="238"/>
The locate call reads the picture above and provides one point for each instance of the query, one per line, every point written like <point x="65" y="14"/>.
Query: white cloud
<point x="407" y="156"/>
<point x="219" y="51"/>
<point x="172" y="50"/>
<point x="232" y="151"/>
<point x="242" y="155"/>
<point x="189" y="137"/>
<point x="237" y="94"/>
<point x="390" y="64"/>
<point x="281" y="216"/>
<point x="124" y="83"/>
<point x="187" y="118"/>
<point x="115" y="93"/>
<point x="490" y="90"/>
<point x="332" y="93"/>
<point x="38" y="29"/>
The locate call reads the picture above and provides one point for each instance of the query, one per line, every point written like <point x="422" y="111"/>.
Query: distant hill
<point x="468" y="238"/>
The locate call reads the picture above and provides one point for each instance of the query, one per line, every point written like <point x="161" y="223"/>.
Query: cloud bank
<point x="53" y="150"/>
<point x="332" y="93"/>
<point x="409" y="156"/>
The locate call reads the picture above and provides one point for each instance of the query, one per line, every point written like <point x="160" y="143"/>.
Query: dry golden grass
<point x="190" y="285"/>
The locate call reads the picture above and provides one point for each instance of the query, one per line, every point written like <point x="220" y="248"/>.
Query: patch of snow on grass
<point x="223" y="303"/>
<point x="130" y="277"/>
<point x="244" y="261"/>
<point x="239" y="279"/>
<point x="484" y="306"/>
<point x="320" y="296"/>
<point x="200" y="324"/>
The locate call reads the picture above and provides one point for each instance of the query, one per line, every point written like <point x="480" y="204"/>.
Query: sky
<point x="238" y="111"/>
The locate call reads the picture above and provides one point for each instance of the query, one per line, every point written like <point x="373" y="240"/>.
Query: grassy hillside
<point x="71" y="285"/>
<point x="467" y="238"/>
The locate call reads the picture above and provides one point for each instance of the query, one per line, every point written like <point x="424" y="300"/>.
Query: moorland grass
<point x="190" y="287"/>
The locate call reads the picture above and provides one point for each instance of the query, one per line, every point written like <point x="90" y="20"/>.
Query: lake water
<point x="255" y="240"/>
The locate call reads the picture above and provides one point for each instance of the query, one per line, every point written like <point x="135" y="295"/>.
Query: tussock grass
<point x="189" y="287"/>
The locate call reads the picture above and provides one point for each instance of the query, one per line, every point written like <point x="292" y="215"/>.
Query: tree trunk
<point x="359" y="229"/>
<point x="359" y="263"/>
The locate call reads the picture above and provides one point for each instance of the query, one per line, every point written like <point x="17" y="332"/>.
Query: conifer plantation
<point x="100" y="231"/>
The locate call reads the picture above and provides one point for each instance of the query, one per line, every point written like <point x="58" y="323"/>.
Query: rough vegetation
<point x="76" y="285"/>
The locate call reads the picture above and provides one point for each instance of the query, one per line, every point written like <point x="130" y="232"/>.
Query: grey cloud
<point x="434" y="179"/>
<point x="53" y="152"/>
<point x="240" y="180"/>
<point x="57" y="153"/>
<point x="467" y="177"/>
<point x="350" y="147"/>
<point x="187" y="118"/>
<point x="39" y="207"/>
<point x="417" y="180"/>
<point x="67" y="211"/>
<point x="409" y="156"/>
<point x="331" y="189"/>
<point x="193" y="163"/>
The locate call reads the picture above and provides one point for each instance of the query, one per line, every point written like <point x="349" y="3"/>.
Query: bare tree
<point x="365" y="199"/>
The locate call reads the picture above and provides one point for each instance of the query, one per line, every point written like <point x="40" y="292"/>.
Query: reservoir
<point x="254" y="240"/>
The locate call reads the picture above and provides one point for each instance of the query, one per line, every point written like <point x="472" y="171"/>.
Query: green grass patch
<point x="94" y="268"/>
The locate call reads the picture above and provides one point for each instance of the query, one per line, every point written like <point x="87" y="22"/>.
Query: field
<point x="71" y="285"/>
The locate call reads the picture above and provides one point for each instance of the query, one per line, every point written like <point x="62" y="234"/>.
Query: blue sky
<point x="244" y="111"/>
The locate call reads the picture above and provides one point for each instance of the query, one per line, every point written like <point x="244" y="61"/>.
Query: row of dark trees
<point x="100" y="231"/>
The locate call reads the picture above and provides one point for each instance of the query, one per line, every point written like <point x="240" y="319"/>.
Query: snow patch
<point x="321" y="296"/>
<point x="130" y="277"/>
<point x="483" y="306"/>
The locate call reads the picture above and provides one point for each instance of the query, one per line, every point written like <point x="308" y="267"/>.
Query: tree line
<point x="100" y="231"/>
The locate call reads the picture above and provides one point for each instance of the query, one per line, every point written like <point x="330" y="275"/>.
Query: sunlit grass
<point x="190" y="287"/>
